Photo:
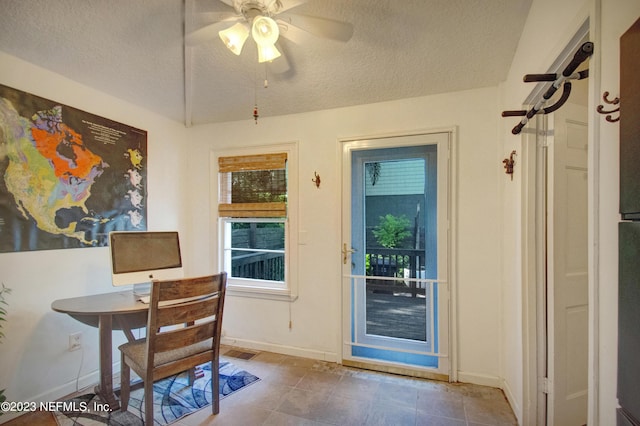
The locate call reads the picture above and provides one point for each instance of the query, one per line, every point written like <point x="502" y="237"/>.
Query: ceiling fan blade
<point x="293" y="33"/>
<point x="207" y="33"/>
<point x="205" y="18"/>
<point x="321" y="27"/>
<point x="227" y="2"/>
<point x="286" y="4"/>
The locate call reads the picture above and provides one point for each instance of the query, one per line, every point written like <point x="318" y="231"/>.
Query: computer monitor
<point x="137" y="258"/>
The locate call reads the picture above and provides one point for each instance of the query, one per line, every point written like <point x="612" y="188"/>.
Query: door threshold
<point x="395" y="369"/>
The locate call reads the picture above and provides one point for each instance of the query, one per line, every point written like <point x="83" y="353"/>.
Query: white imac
<point x="137" y="258"/>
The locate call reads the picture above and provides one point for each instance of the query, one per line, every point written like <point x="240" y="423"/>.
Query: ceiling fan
<point x="265" y="21"/>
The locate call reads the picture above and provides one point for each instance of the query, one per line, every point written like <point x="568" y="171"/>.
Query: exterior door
<point x="567" y="266"/>
<point x="395" y="233"/>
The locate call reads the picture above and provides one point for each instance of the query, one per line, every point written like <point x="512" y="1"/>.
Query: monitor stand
<point x="142" y="289"/>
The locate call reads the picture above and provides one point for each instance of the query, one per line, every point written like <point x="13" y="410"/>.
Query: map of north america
<point x="51" y="176"/>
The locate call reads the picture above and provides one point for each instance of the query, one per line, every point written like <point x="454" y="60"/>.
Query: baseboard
<point x="281" y="349"/>
<point x="515" y="407"/>
<point x="480" y="379"/>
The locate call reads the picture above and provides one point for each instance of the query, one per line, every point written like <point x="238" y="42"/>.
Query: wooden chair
<point x="180" y="336"/>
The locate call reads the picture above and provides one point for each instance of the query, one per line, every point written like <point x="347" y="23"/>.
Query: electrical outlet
<point x="75" y="341"/>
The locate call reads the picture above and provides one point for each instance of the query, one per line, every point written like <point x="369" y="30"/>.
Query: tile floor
<point x="299" y="391"/>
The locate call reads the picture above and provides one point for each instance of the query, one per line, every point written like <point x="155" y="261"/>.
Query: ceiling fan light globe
<point x="234" y="37"/>
<point x="265" y="30"/>
<point x="267" y="53"/>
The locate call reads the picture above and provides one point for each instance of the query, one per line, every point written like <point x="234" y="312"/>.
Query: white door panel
<point x="567" y="267"/>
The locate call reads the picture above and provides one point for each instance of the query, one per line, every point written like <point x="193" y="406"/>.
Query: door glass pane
<point x="394" y="217"/>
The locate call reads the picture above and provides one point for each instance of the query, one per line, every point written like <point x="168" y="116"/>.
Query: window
<point x="256" y="210"/>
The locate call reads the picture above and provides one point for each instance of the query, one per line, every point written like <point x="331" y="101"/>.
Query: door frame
<point x="376" y="141"/>
<point x="589" y="18"/>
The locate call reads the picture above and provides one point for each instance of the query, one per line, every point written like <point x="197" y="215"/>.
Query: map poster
<point x="67" y="177"/>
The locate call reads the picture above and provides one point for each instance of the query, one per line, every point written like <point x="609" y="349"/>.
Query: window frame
<point x="287" y="290"/>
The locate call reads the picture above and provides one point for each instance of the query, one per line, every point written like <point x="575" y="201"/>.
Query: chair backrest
<point x="185" y="323"/>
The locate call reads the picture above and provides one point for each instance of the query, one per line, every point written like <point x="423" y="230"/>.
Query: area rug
<point x="173" y="399"/>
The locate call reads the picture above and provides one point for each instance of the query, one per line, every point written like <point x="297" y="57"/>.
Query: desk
<point x="109" y="311"/>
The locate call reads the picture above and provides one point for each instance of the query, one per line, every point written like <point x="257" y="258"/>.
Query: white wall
<point x="35" y="363"/>
<point x="548" y="29"/>
<point x="316" y="315"/>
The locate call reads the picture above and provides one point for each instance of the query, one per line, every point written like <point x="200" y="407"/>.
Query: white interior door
<point x="567" y="266"/>
<point x="396" y="296"/>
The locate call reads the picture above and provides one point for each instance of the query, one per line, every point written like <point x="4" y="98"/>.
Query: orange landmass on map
<point x="78" y="165"/>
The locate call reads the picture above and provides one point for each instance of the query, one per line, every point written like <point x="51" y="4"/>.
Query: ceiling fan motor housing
<point x="251" y="9"/>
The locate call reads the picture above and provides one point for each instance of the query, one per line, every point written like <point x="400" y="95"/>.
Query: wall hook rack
<point x="509" y="163"/>
<point x="601" y="110"/>
<point x="562" y="79"/>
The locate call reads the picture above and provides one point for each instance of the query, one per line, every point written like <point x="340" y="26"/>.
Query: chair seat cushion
<point x="136" y="352"/>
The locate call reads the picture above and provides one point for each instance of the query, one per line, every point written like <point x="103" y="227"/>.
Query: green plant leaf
<point x="392" y="230"/>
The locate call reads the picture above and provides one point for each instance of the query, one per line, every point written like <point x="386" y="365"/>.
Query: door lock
<point x="345" y="253"/>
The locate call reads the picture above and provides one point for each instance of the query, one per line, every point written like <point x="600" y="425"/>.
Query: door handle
<point x="346" y="252"/>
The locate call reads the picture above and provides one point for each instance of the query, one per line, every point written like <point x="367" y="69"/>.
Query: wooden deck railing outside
<point x="381" y="262"/>
<point x="400" y="263"/>
<point x="260" y="266"/>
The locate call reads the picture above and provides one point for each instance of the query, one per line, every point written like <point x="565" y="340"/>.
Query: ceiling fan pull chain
<point x="255" y="105"/>
<point x="255" y="96"/>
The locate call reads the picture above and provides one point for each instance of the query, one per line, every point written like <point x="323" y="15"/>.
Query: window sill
<point x="284" y="294"/>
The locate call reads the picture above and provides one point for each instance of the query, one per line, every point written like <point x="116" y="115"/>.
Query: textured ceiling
<point x="135" y="50"/>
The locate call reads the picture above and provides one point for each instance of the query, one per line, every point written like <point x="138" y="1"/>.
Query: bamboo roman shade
<point x="253" y="185"/>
